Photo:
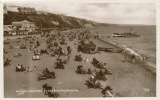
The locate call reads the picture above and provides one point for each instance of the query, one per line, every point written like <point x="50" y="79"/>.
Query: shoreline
<point x="138" y="60"/>
<point x="139" y="57"/>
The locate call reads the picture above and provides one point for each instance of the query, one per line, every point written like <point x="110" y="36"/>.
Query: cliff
<point x="51" y="20"/>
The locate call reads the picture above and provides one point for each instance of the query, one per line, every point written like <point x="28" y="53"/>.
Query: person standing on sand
<point x="68" y="57"/>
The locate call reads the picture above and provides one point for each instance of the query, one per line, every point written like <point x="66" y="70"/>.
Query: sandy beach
<point x="127" y="79"/>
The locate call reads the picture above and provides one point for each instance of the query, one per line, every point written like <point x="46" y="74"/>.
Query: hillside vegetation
<point x="50" y="20"/>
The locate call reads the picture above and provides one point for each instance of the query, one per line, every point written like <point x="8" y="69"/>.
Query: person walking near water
<point x="125" y="56"/>
<point x="144" y="59"/>
<point x="133" y="58"/>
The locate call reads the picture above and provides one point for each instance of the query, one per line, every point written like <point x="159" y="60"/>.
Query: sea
<point x="144" y="45"/>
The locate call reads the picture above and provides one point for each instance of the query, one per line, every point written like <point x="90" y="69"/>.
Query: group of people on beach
<point x="60" y="50"/>
<point x="21" y="68"/>
<point x="94" y="79"/>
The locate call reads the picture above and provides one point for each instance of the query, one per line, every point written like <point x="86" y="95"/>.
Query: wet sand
<point x="127" y="79"/>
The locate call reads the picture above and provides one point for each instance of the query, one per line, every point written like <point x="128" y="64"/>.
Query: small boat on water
<point x="118" y="35"/>
<point x="126" y="34"/>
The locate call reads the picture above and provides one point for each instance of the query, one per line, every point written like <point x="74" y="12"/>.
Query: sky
<point x="115" y="13"/>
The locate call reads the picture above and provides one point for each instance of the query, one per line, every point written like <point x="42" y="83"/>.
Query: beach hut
<point x="7" y="30"/>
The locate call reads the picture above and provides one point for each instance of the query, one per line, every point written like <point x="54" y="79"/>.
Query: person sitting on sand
<point x="104" y="65"/>
<point x="107" y="89"/>
<point x="100" y="64"/>
<point x="34" y="68"/>
<point x="105" y="71"/>
<point x="101" y="73"/>
<point x="80" y="58"/>
<point x="30" y="47"/>
<point x="59" y="64"/>
<point x="96" y="82"/>
<point x="79" y="48"/>
<point x="79" y="69"/>
<point x="18" y="66"/>
<point x="46" y="71"/>
<point x="92" y="79"/>
<point x="27" y="69"/>
<point x="59" y="59"/>
<point x="89" y="71"/>
<point x="63" y="52"/>
<point x="86" y="60"/>
<point x="95" y="60"/>
<point x="37" y="52"/>
<point x="22" y="66"/>
<point x="17" y="55"/>
<point x="38" y="43"/>
<point x="11" y="47"/>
